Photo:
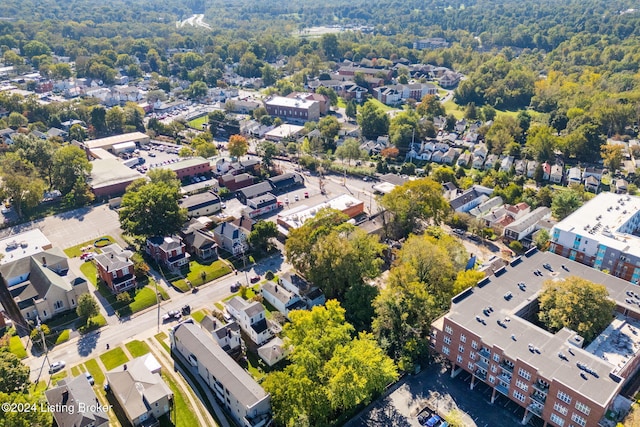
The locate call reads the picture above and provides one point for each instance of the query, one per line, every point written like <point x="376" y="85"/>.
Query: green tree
<point x="329" y="93"/>
<point x="542" y="239"/>
<point x="87" y="307"/>
<point x="69" y="164"/>
<point x="541" y="143"/>
<point x="35" y="48"/>
<point x="329" y="127"/>
<point x="351" y="110"/>
<point x="261" y="235"/>
<point x="612" y="156"/>
<point x="37" y="151"/>
<point x="35" y="418"/>
<point x="237" y="146"/>
<point x="267" y="150"/>
<point x="152" y="209"/>
<point x="349" y="150"/>
<point x="373" y="121"/>
<point x="565" y="202"/>
<point x="197" y="90"/>
<point x="20" y="183"/>
<point x="115" y="120"/>
<point x="98" y="120"/>
<point x="577" y="304"/>
<point x="430" y="107"/>
<point x="17" y="120"/>
<point x="414" y="201"/>
<point x="14" y="374"/>
<point x="77" y="133"/>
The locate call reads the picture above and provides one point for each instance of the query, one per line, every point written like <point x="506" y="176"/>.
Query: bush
<point x="516" y="246"/>
<point x="124" y="298"/>
<point x="269" y="275"/>
<point x="258" y="298"/>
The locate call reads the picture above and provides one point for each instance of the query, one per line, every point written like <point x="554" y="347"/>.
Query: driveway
<point x="74" y="227"/>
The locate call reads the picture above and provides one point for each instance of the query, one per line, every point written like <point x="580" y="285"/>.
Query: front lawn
<point x="16" y="347"/>
<point x="162" y="337"/>
<point x="137" y="348"/>
<point x="90" y="272"/>
<point x="94" y="323"/>
<point x="199" y="315"/>
<point x="94" y="369"/>
<point x="113" y="358"/>
<point x="76" y="250"/>
<point x="57" y="377"/>
<point x="140" y="299"/>
<point x="202" y="273"/>
<point x="145" y="297"/>
<point x="63" y="337"/>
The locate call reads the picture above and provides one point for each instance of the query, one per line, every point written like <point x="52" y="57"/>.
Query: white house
<point x="251" y="317"/>
<point x="281" y="298"/>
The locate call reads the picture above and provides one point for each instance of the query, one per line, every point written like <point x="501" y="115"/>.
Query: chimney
<point x="44" y="261"/>
<point x="111" y="255"/>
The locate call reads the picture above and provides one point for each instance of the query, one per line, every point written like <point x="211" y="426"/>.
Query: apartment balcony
<point x="480" y="374"/>
<point x="542" y="388"/>
<point x="482" y="364"/>
<point x="505" y="378"/>
<point x="538" y="397"/>
<point x="535" y="409"/>
<point x="484" y="353"/>
<point x="506" y="367"/>
<point x="501" y="388"/>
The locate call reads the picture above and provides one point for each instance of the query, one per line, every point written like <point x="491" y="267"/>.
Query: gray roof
<point x="529" y="219"/>
<point x="467" y="307"/>
<point x="278" y="292"/>
<point x="113" y="257"/>
<point x="254" y="308"/>
<point x="198" y="201"/>
<point x="200" y="239"/>
<point x="471" y="194"/>
<point x="209" y="354"/>
<point x="394" y="178"/>
<point x="167" y="243"/>
<point x="71" y="393"/>
<point x="256" y="189"/>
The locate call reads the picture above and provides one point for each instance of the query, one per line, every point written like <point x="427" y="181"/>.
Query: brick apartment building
<point x="603" y="234"/>
<point x="489" y="333"/>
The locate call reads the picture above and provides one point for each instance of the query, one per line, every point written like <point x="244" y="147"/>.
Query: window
<point x="472" y="355"/>
<point x="474" y="345"/>
<point x="463" y="338"/>
<point x="494" y="368"/>
<point x="470" y="366"/>
<point x="492" y="379"/>
<point x="524" y="374"/>
<point x="556" y="419"/>
<point x="578" y="420"/>
<point x="58" y="305"/>
<point x="560" y="408"/>
<point x="564" y="397"/>
<point x="519" y="395"/>
<point x="448" y="329"/>
<point x="447" y="339"/>
<point x="461" y="349"/>
<point x="522" y="385"/>
<point x="583" y="408"/>
<point x="459" y="359"/>
<point x="496" y="357"/>
<point x="445" y="350"/>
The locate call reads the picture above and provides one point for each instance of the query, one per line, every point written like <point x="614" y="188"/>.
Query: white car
<point x="56" y="366"/>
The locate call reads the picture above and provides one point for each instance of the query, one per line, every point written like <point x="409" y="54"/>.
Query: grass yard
<point x="90" y="272"/>
<point x="137" y="348"/>
<point x="77" y="370"/>
<point x="63" y="337"/>
<point x="452" y="108"/>
<point x="113" y="358"/>
<point x="199" y="315"/>
<point x="254" y="367"/>
<point x="380" y="105"/>
<point x="57" y="377"/>
<point x="94" y="369"/>
<point x="197" y="123"/>
<point x="145" y="297"/>
<point x="341" y="103"/>
<point x="162" y="339"/>
<point x="16" y="347"/>
<point x="95" y="322"/>
<point x="202" y="273"/>
<point x="76" y="250"/>
<point x="184" y="412"/>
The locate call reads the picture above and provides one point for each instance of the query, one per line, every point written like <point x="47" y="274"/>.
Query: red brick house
<point x="168" y="251"/>
<point x="115" y="268"/>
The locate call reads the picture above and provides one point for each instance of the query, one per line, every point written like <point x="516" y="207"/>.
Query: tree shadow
<point x="382" y="416"/>
<point x="87" y="343"/>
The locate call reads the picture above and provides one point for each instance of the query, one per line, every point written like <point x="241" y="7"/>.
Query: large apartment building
<point x="603" y="234"/>
<point x="490" y="333"/>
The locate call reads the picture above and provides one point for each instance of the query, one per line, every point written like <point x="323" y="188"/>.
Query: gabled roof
<point x="72" y="393"/>
<point x="199" y="239"/>
<point x="113" y="257"/>
<point x="256" y="189"/>
<point x="166" y="244"/>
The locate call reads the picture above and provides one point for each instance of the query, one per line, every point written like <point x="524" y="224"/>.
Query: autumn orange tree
<point x="237" y="146"/>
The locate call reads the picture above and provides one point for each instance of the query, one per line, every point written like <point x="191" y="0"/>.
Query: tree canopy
<point x="576" y="303"/>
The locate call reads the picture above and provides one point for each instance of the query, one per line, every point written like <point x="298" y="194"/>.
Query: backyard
<point x="202" y="273"/>
<point x="92" y="245"/>
<point x="141" y="298"/>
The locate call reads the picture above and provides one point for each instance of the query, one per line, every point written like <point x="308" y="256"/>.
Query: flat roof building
<point x="110" y="177"/>
<point x="603" y="233"/>
<point x="193" y="166"/>
<point x="295" y="217"/>
<point x="489" y="332"/>
<point x="23" y="245"/>
<point x="298" y="109"/>
<point x="109" y="142"/>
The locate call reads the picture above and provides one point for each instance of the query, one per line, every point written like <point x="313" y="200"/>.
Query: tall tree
<point x="267" y="150"/>
<point x="237" y="146"/>
<point x="20" y="183"/>
<point x="576" y="303"/>
<point x="430" y="107"/>
<point x="69" y="164"/>
<point x="373" y="121"/>
<point x="351" y="110"/>
<point x="350" y="150"/>
<point x="612" y="156"/>
<point x="14" y="374"/>
<point x="565" y="202"/>
<point x="115" y="120"/>
<point x="87" y="307"/>
<point x="37" y="151"/>
<point x="261" y="235"/>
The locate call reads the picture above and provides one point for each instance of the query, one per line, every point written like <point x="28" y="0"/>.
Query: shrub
<point x="269" y="275"/>
<point x="124" y="298"/>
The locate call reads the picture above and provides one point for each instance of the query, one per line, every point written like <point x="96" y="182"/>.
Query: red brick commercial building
<point x="489" y="333"/>
<point x="186" y="168"/>
<point x="299" y="109"/>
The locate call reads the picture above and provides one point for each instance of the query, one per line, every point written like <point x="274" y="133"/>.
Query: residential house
<point x="261" y="205"/>
<point x="621" y="186"/>
<point x="532" y="165"/>
<point x="520" y="167"/>
<point x="202" y="204"/>
<point x="526" y="225"/>
<point x="470" y="198"/>
<point x="490" y="161"/>
<point x="238" y="393"/>
<point x="140" y="391"/>
<point x="231" y="237"/>
<point x="255" y="190"/>
<point x="199" y="241"/>
<point x="251" y="317"/>
<point x="464" y="160"/>
<point x="281" y="298"/>
<point x="236" y="182"/>
<point x="115" y="268"/>
<point x="311" y="295"/>
<point x="449" y="156"/>
<point x="487" y="206"/>
<point x="591" y="183"/>
<point x="41" y="286"/>
<point x="430" y="43"/>
<point x="274" y="351"/>
<point x="286" y="182"/>
<point x="574" y="176"/>
<point x="169" y="251"/>
<point x="593" y="171"/>
<point x="546" y="171"/>
<point x="73" y="403"/>
<point x="506" y="163"/>
<point x="556" y="174"/>
<point x="478" y="162"/>
<point x="227" y="335"/>
<point x="449" y="79"/>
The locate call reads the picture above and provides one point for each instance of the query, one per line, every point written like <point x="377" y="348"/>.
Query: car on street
<point x="255" y="279"/>
<point x="57" y="366"/>
<point x="296" y="198"/>
<point x="235" y="287"/>
<point x="306" y="194"/>
<point x="186" y="309"/>
<point x="171" y="315"/>
<point x="89" y="378"/>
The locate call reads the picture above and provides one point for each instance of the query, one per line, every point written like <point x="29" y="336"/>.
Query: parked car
<point x="306" y="194"/>
<point x="87" y="256"/>
<point x="186" y="309"/>
<point x="57" y="366"/>
<point x="235" y="287"/>
<point x="296" y="198"/>
<point x="89" y="378"/>
<point x="255" y="279"/>
<point x="171" y="315"/>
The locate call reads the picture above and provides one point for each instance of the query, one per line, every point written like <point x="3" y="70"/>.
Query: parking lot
<point x="434" y="389"/>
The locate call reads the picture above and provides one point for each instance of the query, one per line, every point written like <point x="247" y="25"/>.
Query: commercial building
<point x="122" y="142"/>
<point x="295" y="217"/>
<point x="299" y="109"/>
<point x="261" y="205"/>
<point x="202" y="204"/>
<point x="603" y="233"/>
<point x="186" y="168"/>
<point x="240" y="395"/>
<point x="109" y="177"/>
<point x="490" y="333"/>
